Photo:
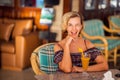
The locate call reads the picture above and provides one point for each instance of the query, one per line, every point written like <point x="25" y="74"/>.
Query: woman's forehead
<point x="76" y="19"/>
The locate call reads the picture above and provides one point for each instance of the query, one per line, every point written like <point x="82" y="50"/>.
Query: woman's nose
<point x="74" y="28"/>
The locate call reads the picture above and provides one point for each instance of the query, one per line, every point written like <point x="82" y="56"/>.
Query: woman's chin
<point x="74" y="37"/>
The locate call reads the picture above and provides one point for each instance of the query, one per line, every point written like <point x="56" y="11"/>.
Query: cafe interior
<point x="26" y="26"/>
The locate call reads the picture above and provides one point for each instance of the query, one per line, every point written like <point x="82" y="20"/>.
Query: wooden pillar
<point x="81" y="7"/>
<point x="67" y="4"/>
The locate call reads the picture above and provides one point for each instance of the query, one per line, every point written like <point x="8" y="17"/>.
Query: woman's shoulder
<point x="88" y="43"/>
<point x="59" y="45"/>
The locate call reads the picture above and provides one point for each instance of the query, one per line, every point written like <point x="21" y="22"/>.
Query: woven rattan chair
<point x="42" y="59"/>
<point x="94" y="31"/>
<point x="114" y="23"/>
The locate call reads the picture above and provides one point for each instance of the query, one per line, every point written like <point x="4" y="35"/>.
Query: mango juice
<point x="85" y="62"/>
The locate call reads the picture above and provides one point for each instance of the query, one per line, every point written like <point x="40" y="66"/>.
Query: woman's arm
<point x="101" y="64"/>
<point x="65" y="64"/>
<point x="100" y="60"/>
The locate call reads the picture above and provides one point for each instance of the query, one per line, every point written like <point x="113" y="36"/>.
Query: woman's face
<point x="74" y="26"/>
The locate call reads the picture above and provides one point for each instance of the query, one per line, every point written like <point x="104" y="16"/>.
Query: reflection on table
<point x="76" y="76"/>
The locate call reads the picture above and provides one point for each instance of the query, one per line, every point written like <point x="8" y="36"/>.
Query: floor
<point x="28" y="74"/>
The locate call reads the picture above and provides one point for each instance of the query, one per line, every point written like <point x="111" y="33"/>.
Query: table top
<point x="76" y="76"/>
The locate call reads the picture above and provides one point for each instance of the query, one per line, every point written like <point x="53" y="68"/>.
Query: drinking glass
<point x="85" y="63"/>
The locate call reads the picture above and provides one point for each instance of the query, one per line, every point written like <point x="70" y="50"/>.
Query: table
<point x="76" y="76"/>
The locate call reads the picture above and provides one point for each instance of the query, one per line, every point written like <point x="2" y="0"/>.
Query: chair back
<point x="115" y="20"/>
<point x="94" y="27"/>
<point x="44" y="59"/>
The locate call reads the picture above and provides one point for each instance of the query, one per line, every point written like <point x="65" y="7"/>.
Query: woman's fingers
<point x="77" y="69"/>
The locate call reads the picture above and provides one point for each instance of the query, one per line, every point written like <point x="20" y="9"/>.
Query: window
<point x="89" y="4"/>
<point x="102" y="4"/>
<point x="113" y="3"/>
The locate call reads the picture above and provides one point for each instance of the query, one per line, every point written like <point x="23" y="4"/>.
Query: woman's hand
<point x="77" y="69"/>
<point x="68" y="40"/>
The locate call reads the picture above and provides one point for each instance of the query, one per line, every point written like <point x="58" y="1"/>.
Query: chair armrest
<point x="110" y="30"/>
<point x="24" y="45"/>
<point x="113" y="25"/>
<point x="105" y="43"/>
<point x="112" y="37"/>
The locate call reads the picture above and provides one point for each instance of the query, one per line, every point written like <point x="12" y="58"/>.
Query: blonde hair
<point x="66" y="18"/>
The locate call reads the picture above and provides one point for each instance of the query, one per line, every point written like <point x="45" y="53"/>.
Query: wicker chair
<point x="94" y="31"/>
<point x="42" y="59"/>
<point x="114" y="22"/>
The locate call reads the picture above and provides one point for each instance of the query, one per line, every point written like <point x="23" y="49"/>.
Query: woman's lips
<point x="73" y="33"/>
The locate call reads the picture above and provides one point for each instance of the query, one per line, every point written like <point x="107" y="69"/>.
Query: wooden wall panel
<point x="7" y="12"/>
<point x="67" y="4"/>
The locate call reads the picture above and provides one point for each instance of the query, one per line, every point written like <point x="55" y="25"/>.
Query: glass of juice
<point x="85" y="63"/>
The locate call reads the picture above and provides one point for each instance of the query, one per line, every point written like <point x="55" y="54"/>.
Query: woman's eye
<point x="70" y="25"/>
<point x="77" y="25"/>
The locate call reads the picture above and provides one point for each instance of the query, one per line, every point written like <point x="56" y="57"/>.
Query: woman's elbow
<point x="66" y="70"/>
<point x="106" y="67"/>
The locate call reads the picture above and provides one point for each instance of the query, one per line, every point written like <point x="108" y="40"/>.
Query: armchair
<point x="15" y="49"/>
<point x="94" y="31"/>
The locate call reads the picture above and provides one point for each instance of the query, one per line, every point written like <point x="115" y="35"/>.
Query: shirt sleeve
<point x="58" y="56"/>
<point x="94" y="52"/>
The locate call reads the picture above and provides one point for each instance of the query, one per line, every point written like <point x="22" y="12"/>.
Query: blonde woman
<point x="66" y="51"/>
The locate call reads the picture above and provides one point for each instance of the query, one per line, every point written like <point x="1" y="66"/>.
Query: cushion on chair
<point x="115" y="20"/>
<point x="95" y="29"/>
<point x="5" y="31"/>
<point x="112" y="43"/>
<point x="46" y="54"/>
<point x="7" y="47"/>
<point x="22" y="26"/>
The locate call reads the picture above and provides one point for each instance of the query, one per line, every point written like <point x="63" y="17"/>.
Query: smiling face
<point x="74" y="27"/>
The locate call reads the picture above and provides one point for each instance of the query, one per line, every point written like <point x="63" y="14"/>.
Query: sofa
<point x="18" y="39"/>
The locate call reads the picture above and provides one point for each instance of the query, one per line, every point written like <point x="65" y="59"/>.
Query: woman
<point x="66" y="51"/>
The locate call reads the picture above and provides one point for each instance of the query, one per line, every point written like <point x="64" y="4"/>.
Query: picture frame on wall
<point x="47" y="15"/>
